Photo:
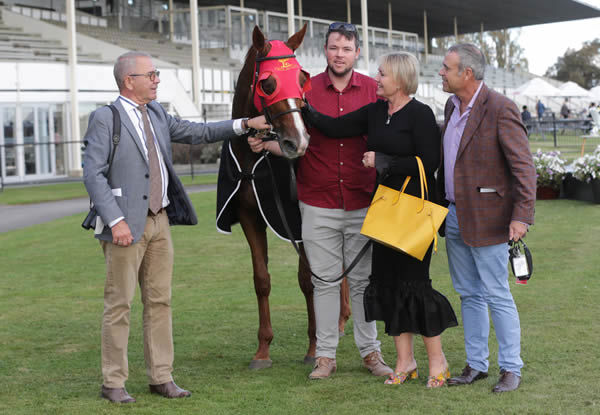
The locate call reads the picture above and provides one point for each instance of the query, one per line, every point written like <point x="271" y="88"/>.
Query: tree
<point x="506" y="52"/>
<point x="580" y="66"/>
<point x="501" y="48"/>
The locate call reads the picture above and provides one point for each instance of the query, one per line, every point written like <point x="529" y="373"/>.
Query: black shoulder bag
<point x="90" y="220"/>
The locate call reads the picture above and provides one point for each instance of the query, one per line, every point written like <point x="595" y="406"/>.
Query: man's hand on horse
<point x="259" y="123"/>
<point x="257" y="145"/>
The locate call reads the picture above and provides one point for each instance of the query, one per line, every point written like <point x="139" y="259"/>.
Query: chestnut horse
<point x="281" y="107"/>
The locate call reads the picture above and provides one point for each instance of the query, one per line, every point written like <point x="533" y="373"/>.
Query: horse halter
<point x="281" y="64"/>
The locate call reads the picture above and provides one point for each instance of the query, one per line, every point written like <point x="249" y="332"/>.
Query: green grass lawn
<point x="51" y="284"/>
<point x="568" y="145"/>
<point x="72" y="190"/>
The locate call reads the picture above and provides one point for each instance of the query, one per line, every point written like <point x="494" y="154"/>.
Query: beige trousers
<point x="148" y="262"/>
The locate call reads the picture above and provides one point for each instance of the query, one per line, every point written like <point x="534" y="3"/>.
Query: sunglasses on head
<point x="349" y="27"/>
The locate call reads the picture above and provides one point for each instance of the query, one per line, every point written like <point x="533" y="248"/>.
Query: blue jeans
<point x="480" y="276"/>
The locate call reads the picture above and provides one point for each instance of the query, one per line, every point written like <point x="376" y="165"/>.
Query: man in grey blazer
<point x="136" y="203"/>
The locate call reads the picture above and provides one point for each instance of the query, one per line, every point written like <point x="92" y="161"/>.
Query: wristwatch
<point x="245" y="126"/>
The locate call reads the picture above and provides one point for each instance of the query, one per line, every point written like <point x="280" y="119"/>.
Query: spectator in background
<point x="540" y="108"/>
<point x="526" y="118"/>
<point x="525" y="115"/>
<point x="591" y="125"/>
<point x="564" y="110"/>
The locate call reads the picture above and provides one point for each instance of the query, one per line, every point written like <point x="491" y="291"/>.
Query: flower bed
<point x="550" y="172"/>
<point x="583" y="183"/>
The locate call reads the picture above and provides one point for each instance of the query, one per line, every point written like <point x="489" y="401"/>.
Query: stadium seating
<point x="16" y="45"/>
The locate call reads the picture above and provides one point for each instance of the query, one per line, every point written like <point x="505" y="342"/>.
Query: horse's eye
<point x="301" y="78"/>
<point x="268" y="85"/>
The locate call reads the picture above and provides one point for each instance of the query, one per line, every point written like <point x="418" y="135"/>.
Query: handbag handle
<point x="424" y="195"/>
<point x="422" y="181"/>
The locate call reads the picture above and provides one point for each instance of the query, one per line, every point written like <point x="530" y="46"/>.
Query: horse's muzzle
<point x="294" y="148"/>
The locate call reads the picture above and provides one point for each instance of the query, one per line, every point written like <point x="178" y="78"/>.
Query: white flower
<point x="587" y="167"/>
<point x="549" y="167"/>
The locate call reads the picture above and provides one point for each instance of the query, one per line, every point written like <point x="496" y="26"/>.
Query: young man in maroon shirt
<point x="334" y="190"/>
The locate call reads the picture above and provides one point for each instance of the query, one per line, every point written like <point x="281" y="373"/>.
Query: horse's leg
<point x="304" y="279"/>
<point x="255" y="231"/>
<point x="345" y="311"/>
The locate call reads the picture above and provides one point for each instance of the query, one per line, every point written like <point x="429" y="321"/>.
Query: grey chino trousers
<point x="332" y="240"/>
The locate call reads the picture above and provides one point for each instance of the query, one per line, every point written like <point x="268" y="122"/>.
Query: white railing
<point x="231" y="27"/>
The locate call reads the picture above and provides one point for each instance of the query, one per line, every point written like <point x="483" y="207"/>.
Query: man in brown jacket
<point x="488" y="177"/>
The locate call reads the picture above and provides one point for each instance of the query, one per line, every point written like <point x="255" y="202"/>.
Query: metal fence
<point x="551" y="128"/>
<point x="45" y="161"/>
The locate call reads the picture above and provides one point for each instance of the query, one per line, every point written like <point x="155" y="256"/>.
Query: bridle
<point x="270" y="118"/>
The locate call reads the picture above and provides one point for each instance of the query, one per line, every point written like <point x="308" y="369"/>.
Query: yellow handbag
<point x="402" y="221"/>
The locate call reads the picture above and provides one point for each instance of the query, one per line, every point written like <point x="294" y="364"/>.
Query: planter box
<point x="575" y="189"/>
<point x="546" y="193"/>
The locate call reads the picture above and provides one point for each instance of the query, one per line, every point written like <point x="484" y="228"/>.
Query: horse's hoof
<point x="342" y="333"/>
<point x="260" y="364"/>
<point x="310" y="360"/>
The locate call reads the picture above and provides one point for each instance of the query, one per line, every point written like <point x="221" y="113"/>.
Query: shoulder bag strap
<point x="116" y="137"/>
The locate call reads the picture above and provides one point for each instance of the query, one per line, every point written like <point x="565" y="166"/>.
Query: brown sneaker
<point x="324" y="367"/>
<point x="374" y="362"/>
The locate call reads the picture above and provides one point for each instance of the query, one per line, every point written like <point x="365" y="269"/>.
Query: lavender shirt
<point x="452" y="136"/>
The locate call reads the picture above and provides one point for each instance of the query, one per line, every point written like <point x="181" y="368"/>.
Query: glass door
<point x="8" y="140"/>
<point x="28" y="125"/>
<point x="37" y="145"/>
<point x="58" y="139"/>
<point x="43" y="148"/>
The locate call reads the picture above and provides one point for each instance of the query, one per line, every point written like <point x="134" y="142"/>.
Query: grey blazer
<point x="126" y="191"/>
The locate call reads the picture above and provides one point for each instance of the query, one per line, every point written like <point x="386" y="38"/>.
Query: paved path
<point x="20" y="216"/>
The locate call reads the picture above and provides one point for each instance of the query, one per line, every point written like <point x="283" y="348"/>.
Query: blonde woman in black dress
<point x="400" y="293"/>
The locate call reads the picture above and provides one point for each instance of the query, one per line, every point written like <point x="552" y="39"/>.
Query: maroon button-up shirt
<point x="331" y="174"/>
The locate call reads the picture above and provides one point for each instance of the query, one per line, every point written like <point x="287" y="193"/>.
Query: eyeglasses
<point x="349" y="27"/>
<point x="152" y="75"/>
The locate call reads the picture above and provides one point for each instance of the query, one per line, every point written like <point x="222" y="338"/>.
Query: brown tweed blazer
<point x="493" y="153"/>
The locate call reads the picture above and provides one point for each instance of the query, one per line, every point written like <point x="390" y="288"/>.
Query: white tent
<point x="537" y="87"/>
<point x="571" y="89"/>
<point x="595" y="92"/>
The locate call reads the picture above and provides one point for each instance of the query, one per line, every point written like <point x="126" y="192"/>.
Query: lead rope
<point x="288" y="231"/>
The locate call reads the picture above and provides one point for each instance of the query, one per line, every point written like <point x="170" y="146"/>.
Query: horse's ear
<point x="258" y="39"/>
<point x="296" y="39"/>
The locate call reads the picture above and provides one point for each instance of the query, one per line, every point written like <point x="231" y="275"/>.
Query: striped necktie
<point x="155" y="178"/>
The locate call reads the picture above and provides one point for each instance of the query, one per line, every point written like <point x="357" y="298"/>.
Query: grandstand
<point x="18" y="45"/>
<point x="36" y="142"/>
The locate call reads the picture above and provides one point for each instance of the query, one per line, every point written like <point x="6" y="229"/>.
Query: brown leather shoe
<point x="508" y="382"/>
<point x="117" y="395"/>
<point x="468" y="376"/>
<point x="374" y="362"/>
<point x="170" y="390"/>
<point x="324" y="367"/>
